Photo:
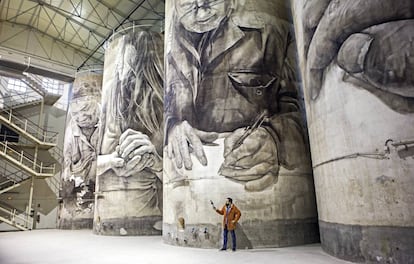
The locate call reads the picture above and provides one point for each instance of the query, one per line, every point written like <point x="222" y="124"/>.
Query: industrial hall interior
<point x="206" y="131"/>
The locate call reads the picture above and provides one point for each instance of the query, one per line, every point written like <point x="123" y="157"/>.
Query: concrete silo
<point x="129" y="164"/>
<point x="235" y="126"/>
<point x="357" y="62"/>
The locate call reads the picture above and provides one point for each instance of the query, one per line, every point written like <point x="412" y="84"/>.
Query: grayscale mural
<point x="357" y="61"/>
<point x="80" y="152"/>
<point x="371" y="42"/>
<point x="234" y="121"/>
<point x="129" y="174"/>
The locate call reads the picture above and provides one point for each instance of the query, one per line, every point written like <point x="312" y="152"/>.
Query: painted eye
<point x="187" y="6"/>
<point x="215" y="2"/>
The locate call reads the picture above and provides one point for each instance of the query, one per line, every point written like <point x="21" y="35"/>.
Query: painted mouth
<point x="206" y="19"/>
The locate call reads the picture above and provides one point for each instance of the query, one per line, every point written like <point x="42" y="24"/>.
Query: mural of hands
<point x="134" y="153"/>
<point x="372" y="41"/>
<point x="184" y="139"/>
<point x="254" y="163"/>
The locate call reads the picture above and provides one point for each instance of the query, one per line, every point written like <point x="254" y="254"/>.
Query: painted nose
<point x="203" y="13"/>
<point x="203" y="10"/>
<point x="201" y="3"/>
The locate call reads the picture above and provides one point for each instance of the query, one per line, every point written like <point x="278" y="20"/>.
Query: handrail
<point x="47" y="85"/>
<point x="13" y="176"/>
<point x="30" y="127"/>
<point x="5" y="172"/>
<point x="13" y="216"/>
<point x="4" y="137"/>
<point x="6" y="182"/>
<point x="22" y="159"/>
<point x="15" y="97"/>
<point x="29" y="156"/>
<point x="20" y="98"/>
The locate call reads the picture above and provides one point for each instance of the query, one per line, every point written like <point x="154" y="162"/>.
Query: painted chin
<point x="85" y="123"/>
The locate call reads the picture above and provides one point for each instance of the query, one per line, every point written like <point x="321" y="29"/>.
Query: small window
<point x="16" y="85"/>
<point x="52" y="86"/>
<point x="6" y="134"/>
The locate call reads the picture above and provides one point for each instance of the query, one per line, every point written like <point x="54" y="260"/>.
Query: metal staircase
<point x="13" y="217"/>
<point x="28" y="129"/>
<point x="20" y="100"/>
<point x="11" y="178"/>
<point x="43" y="86"/>
<point x="25" y="162"/>
<point x="32" y="139"/>
<point x="17" y="99"/>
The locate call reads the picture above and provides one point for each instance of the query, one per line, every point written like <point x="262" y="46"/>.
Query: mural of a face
<point x="129" y="163"/>
<point x="85" y="112"/>
<point x="201" y="16"/>
<point x="81" y="141"/>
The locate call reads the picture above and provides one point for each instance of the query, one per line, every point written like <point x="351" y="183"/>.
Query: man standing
<point x="231" y="215"/>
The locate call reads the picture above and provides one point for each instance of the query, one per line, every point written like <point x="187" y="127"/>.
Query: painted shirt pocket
<point x="255" y="87"/>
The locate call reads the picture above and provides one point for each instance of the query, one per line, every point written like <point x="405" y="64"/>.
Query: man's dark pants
<point x="233" y="238"/>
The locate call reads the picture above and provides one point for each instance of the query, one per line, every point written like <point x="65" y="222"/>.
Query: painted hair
<point x="139" y="99"/>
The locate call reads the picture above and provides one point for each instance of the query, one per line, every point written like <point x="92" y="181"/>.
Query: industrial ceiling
<point x="65" y="36"/>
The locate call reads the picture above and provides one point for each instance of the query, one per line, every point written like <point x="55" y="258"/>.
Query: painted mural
<point x="80" y="152"/>
<point x="233" y="116"/>
<point x="357" y="59"/>
<point x="129" y="174"/>
<point x="371" y="42"/>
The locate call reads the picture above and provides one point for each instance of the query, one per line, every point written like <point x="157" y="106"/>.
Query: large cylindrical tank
<point x="234" y="122"/>
<point x="129" y="170"/>
<point x="357" y="62"/>
<point x="79" y="151"/>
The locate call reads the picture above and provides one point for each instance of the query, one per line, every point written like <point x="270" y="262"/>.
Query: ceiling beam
<point x="21" y="13"/>
<point x="137" y="6"/>
<point x="76" y="49"/>
<point x="69" y="17"/>
<point x="112" y="9"/>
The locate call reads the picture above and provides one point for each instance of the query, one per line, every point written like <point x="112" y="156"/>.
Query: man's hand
<point x="254" y="162"/>
<point x="183" y="139"/>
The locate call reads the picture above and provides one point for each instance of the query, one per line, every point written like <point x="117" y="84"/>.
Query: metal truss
<point x="83" y="26"/>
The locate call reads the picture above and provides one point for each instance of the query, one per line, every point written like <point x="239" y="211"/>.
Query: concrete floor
<point x="64" y="247"/>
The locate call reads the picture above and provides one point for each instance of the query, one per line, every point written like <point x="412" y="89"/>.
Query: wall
<point x="356" y="59"/>
<point x="80" y="152"/>
<point x="235" y="127"/>
<point x="46" y="190"/>
<point x="129" y="165"/>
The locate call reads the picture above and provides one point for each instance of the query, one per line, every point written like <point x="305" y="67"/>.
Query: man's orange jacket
<point x="233" y="216"/>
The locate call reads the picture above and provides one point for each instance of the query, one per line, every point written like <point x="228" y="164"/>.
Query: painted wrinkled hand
<point x="184" y="139"/>
<point x="136" y="164"/>
<point x="383" y="55"/>
<point x="254" y="162"/>
<point x="382" y="49"/>
<point x="134" y="153"/>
